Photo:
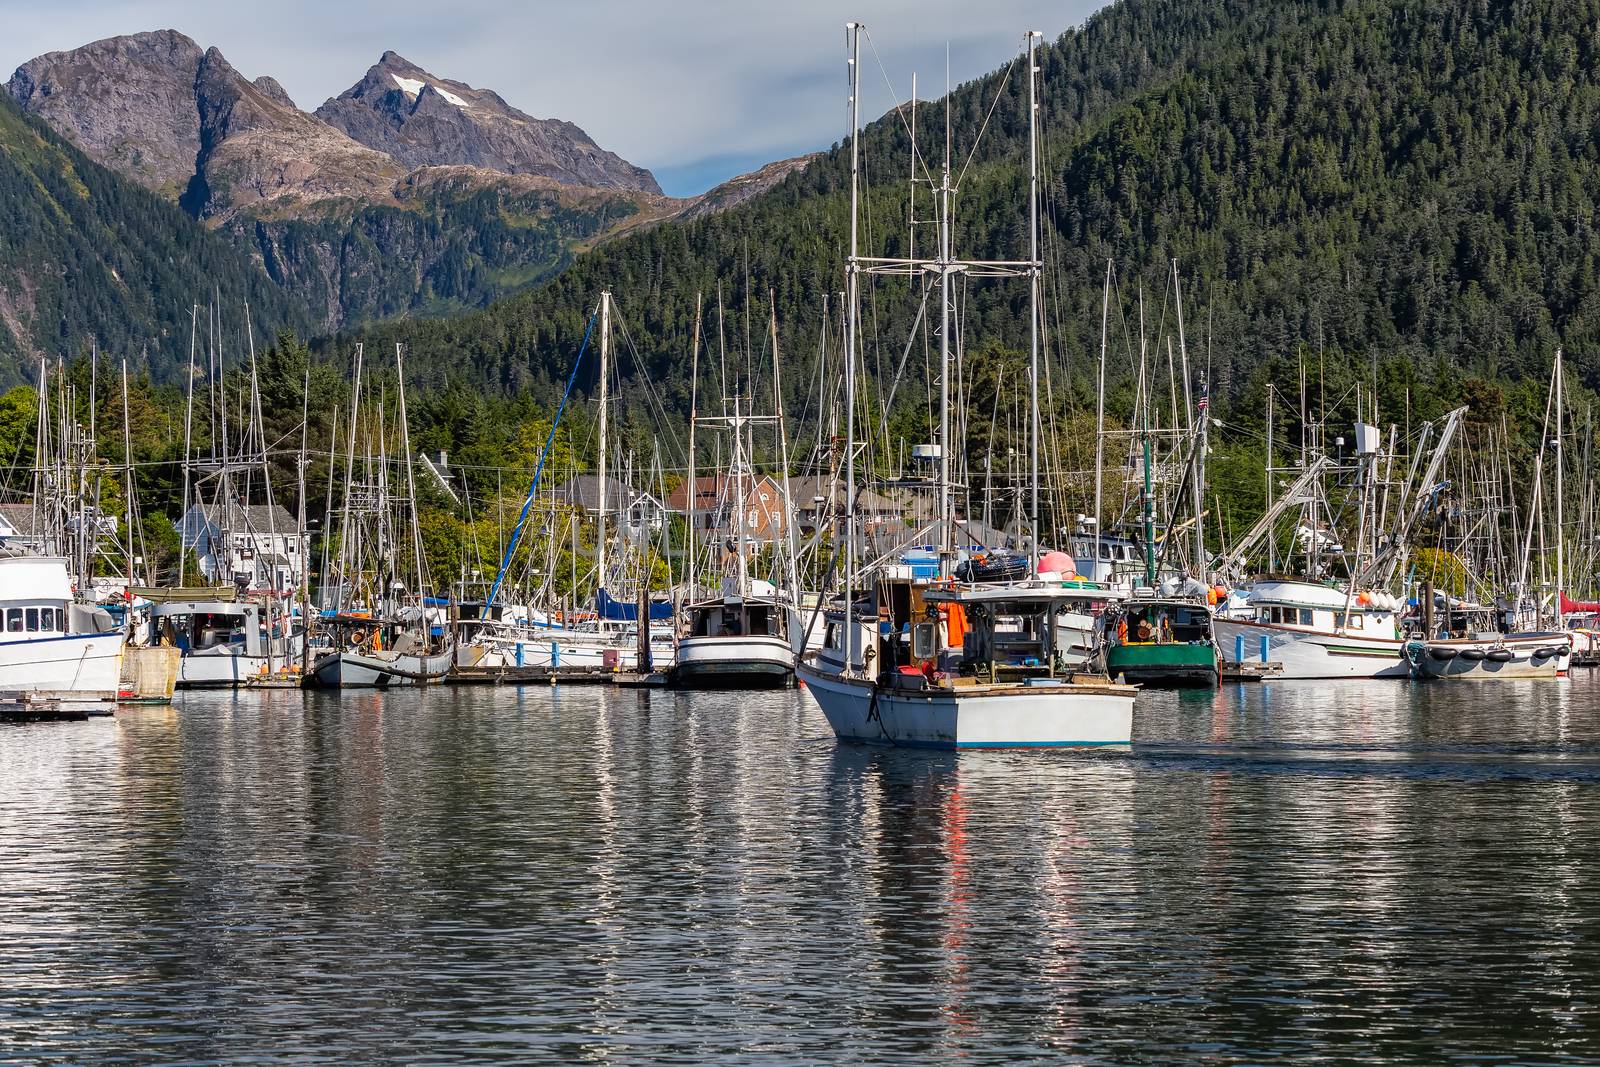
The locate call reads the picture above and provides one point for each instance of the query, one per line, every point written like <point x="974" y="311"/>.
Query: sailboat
<point x="742" y="637"/>
<point x="948" y="664"/>
<point x="397" y="637"/>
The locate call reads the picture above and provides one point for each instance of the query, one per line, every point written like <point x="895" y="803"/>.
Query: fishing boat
<point x="1491" y="656"/>
<point x="737" y="641"/>
<point x="937" y="662"/>
<point x="1316" y="631"/>
<point x="51" y="644"/>
<point x="1163" y="640"/>
<point x="223" y="642"/>
<point x="1004" y="684"/>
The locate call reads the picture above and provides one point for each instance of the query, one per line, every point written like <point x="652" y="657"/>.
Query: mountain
<point x="423" y="120"/>
<point x="87" y="255"/>
<point x="349" y="229"/>
<point x="180" y="120"/>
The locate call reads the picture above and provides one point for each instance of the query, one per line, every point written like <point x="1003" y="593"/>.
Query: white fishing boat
<point x="51" y="644"/>
<point x="736" y="642"/>
<point x="1492" y="656"/>
<point x="1005" y="685"/>
<point x="225" y="643"/>
<point x="1316" y="631"/>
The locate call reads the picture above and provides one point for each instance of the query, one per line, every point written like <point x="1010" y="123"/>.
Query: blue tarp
<point x="617" y="611"/>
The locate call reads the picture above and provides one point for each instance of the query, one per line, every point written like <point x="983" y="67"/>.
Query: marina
<point x="1099" y="563"/>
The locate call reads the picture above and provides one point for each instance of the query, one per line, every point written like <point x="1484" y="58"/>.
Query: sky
<point x="696" y="90"/>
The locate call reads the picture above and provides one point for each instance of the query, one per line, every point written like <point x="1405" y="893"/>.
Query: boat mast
<point x="852" y="330"/>
<point x="944" y="266"/>
<point x="127" y="459"/>
<point x="1100" y="425"/>
<point x="188" y="432"/>
<point x="605" y="376"/>
<point x="1560" y="529"/>
<point x="1034" y="268"/>
<point x="691" y="492"/>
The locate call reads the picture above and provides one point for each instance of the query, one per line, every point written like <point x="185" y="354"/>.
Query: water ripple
<point x="1324" y="873"/>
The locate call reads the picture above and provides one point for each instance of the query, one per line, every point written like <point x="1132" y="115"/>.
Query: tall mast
<point x="692" y="493"/>
<point x="345" y="547"/>
<point x="852" y="315"/>
<point x="1199" y="473"/>
<point x="605" y="379"/>
<point x="946" y="497"/>
<point x="1100" y="423"/>
<point x="411" y="492"/>
<point x="792" y="547"/>
<point x="188" y="431"/>
<point x="1034" y="268"/>
<point x="127" y="459"/>
<point x="1560" y="529"/>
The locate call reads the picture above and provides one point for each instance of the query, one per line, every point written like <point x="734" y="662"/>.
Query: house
<point x="19" y="528"/>
<point x="25" y="528"/>
<point x="632" y="512"/>
<point x="713" y="507"/>
<point x="819" y="501"/>
<point x="250" y="545"/>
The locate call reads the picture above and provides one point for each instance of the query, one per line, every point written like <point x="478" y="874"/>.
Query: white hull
<point x="84" y="666"/>
<point x="981" y="717"/>
<point x="219" y="668"/>
<point x="734" y="662"/>
<point x="1308" y="654"/>
<point x="1493" y="659"/>
<point x="561" y="649"/>
<point x="382" y="670"/>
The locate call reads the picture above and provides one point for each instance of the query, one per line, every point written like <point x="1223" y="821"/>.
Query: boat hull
<point x="1062" y="716"/>
<point x="1306" y="654"/>
<point x="80" y="666"/>
<point x="1169" y="664"/>
<point x="377" y="670"/>
<point x="1534" y="656"/>
<point x="733" y="663"/>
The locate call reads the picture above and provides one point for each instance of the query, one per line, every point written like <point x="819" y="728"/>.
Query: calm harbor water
<point x="1331" y="872"/>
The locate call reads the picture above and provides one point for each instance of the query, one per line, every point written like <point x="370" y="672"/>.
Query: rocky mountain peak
<point x="128" y="102"/>
<point x="422" y="120"/>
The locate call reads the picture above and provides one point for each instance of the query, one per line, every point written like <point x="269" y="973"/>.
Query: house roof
<point x="808" y="488"/>
<point x="709" y="491"/>
<point x="584" y="491"/>
<point x="247" y="518"/>
<point x="19" y="518"/>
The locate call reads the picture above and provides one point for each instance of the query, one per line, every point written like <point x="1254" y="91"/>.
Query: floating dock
<point x="19" y="707"/>
<point x="1254" y="671"/>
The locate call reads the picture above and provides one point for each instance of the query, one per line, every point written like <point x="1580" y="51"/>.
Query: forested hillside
<point x="86" y="255"/>
<point x="1369" y="179"/>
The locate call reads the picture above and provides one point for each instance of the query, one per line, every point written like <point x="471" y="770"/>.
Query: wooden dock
<point x="20" y="707"/>
<point x="532" y="676"/>
<point x="1252" y="671"/>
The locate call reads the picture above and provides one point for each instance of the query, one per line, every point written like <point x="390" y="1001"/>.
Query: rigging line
<point x="899" y="110"/>
<point x="999" y="90"/>
<point x="516" y="534"/>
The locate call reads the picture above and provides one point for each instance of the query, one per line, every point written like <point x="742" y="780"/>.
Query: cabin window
<point x="33" y="620"/>
<point x="1358" y="622"/>
<point x="14" y="620"/>
<point x="1305" y="616"/>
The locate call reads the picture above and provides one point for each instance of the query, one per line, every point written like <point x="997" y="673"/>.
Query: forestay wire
<point x="527" y="505"/>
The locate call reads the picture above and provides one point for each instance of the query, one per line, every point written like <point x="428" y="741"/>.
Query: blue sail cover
<point x="617" y="611"/>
